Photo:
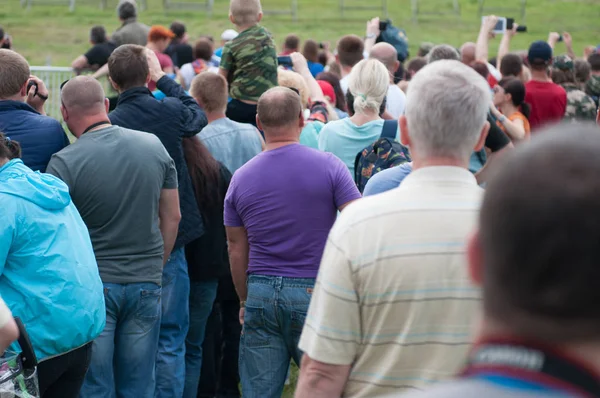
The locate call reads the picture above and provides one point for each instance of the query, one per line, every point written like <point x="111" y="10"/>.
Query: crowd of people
<point x="386" y="222"/>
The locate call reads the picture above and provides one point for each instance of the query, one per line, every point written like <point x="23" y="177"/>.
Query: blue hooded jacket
<point x="48" y="273"/>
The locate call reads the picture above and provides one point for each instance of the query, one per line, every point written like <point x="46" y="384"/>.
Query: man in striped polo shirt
<point x="393" y="306"/>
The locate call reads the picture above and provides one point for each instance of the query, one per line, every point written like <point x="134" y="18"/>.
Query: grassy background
<point x="51" y="35"/>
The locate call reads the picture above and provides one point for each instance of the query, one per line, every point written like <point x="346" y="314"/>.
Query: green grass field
<point x="50" y="34"/>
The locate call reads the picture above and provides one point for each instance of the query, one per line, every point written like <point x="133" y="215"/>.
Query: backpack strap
<point x="390" y="129"/>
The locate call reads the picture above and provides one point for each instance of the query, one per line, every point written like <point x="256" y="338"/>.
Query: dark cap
<point x="178" y="28"/>
<point x="539" y="51"/>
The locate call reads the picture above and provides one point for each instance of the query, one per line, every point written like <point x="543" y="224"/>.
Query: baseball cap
<point x="563" y="62"/>
<point x="229" y="35"/>
<point x="328" y="91"/>
<point x="158" y="32"/>
<point x="539" y="51"/>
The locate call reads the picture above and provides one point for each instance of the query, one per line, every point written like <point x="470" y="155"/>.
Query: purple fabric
<point x="287" y="199"/>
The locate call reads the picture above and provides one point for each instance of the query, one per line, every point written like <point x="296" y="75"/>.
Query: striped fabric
<point x="393" y="296"/>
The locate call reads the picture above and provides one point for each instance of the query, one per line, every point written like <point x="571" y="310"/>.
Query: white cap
<point x="229" y="35"/>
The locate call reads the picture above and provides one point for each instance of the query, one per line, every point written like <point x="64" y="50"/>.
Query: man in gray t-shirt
<point x="124" y="184"/>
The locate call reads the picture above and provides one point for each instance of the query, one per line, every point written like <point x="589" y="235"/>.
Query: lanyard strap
<point x="93" y="126"/>
<point x="532" y="363"/>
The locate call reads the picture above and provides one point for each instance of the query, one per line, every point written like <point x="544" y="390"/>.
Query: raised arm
<point x="505" y="44"/>
<point x="301" y="67"/>
<point x="193" y="118"/>
<point x="514" y="129"/>
<point x="569" y="45"/>
<point x="485" y="33"/>
<point x="372" y="34"/>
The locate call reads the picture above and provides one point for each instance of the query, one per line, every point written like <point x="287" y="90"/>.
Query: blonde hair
<point x="245" y="12"/>
<point x="289" y="79"/>
<point x="369" y="83"/>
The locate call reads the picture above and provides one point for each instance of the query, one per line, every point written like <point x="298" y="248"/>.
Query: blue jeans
<point x="202" y="298"/>
<point x="170" y="359"/>
<point x="123" y="355"/>
<point x="276" y="308"/>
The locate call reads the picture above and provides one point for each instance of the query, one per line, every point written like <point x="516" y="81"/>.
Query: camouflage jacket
<point x="592" y="88"/>
<point x="580" y="106"/>
<point x="251" y="62"/>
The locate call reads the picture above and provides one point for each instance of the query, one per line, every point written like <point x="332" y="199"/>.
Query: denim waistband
<point x="281" y="281"/>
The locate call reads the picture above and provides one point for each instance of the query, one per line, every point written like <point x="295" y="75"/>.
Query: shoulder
<point x="334" y="125"/>
<point x="388" y="179"/>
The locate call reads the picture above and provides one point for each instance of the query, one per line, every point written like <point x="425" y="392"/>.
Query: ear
<point x="301" y="122"/>
<point x="404" y="137"/>
<point x="23" y="91"/>
<point x="396" y="66"/>
<point x="106" y="104"/>
<point x="114" y="85"/>
<point x="64" y="113"/>
<point x="475" y="258"/>
<point x="482" y="137"/>
<point x="260" y="16"/>
<point x="148" y="78"/>
<point x="258" y="124"/>
<point x="231" y="18"/>
<point x="337" y="58"/>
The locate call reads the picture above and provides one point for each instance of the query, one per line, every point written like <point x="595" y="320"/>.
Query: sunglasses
<point x="63" y="84"/>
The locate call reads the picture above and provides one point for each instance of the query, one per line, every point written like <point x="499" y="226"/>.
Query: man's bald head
<point x="84" y="95"/>
<point x="277" y="108"/>
<point x="387" y="55"/>
<point x="467" y="53"/>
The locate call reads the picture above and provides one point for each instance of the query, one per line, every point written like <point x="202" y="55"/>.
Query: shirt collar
<point x="7" y="105"/>
<point x="133" y="93"/>
<point x="439" y="174"/>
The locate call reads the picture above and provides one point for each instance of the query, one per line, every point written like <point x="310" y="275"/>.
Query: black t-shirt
<point x="98" y="55"/>
<point x="496" y="139"/>
<point x="180" y="54"/>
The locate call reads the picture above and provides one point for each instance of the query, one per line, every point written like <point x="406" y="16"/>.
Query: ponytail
<point x="9" y="149"/>
<point x="525" y="109"/>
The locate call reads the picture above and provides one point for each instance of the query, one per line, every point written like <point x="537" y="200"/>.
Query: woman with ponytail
<point x="369" y="81"/>
<point x="511" y="110"/>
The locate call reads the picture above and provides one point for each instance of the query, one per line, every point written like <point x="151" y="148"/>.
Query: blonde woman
<point x="369" y="81"/>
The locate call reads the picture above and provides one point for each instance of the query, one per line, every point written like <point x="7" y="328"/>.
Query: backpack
<point x="383" y="154"/>
<point x="397" y="38"/>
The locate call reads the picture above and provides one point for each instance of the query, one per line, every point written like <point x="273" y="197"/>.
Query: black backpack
<point x="383" y="154"/>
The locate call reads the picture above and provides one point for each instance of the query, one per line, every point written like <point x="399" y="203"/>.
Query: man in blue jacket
<point x="22" y="115"/>
<point x="131" y="67"/>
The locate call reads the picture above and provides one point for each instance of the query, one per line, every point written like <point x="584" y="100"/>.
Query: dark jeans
<point x="62" y="376"/>
<point x="220" y="376"/>
<point x="241" y="112"/>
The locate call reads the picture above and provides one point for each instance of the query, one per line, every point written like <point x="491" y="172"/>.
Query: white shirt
<point x="395" y="101"/>
<point x="393" y="297"/>
<point x="344" y="83"/>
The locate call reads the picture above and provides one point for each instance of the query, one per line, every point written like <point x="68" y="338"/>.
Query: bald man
<point x="124" y="185"/>
<point x="396" y="99"/>
<point x="278" y="211"/>
<point x="467" y="53"/>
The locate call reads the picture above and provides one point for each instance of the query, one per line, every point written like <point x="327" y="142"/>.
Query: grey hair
<point x="443" y="51"/>
<point x="446" y="108"/>
<point x="369" y="83"/>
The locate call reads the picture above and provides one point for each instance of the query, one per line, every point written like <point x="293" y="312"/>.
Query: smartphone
<point x="32" y="84"/>
<point x="500" y="27"/>
<point x="285" y="61"/>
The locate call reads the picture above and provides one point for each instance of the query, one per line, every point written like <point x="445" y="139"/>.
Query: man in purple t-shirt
<point x="278" y="212"/>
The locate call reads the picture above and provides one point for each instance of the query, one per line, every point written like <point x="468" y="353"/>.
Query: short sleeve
<point x="332" y="332"/>
<point x="227" y="58"/>
<point x="5" y="314"/>
<point x="94" y="56"/>
<point x="231" y="216"/>
<point x="170" y="181"/>
<point x="344" y="188"/>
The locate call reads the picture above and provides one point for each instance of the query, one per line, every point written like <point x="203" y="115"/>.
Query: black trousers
<point x="62" y="377"/>
<point x="220" y="350"/>
<point x="241" y="112"/>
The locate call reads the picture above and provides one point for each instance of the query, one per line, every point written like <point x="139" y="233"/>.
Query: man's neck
<point x="241" y="28"/>
<point x="540" y="76"/>
<point x="345" y="70"/>
<point x="596" y="73"/>
<point x="3" y="161"/>
<point x="85" y="123"/>
<point x="280" y="143"/>
<point x="17" y="98"/>
<point x="152" y="47"/>
<point x="211" y="117"/>
<point x="439" y="161"/>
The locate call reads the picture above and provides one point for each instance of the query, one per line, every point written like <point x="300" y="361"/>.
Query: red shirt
<point x="548" y="102"/>
<point x="165" y="62"/>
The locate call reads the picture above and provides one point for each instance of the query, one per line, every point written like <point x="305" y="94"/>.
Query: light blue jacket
<point x="48" y="272"/>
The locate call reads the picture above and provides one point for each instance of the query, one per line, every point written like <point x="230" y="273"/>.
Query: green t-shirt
<point x="251" y="61"/>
